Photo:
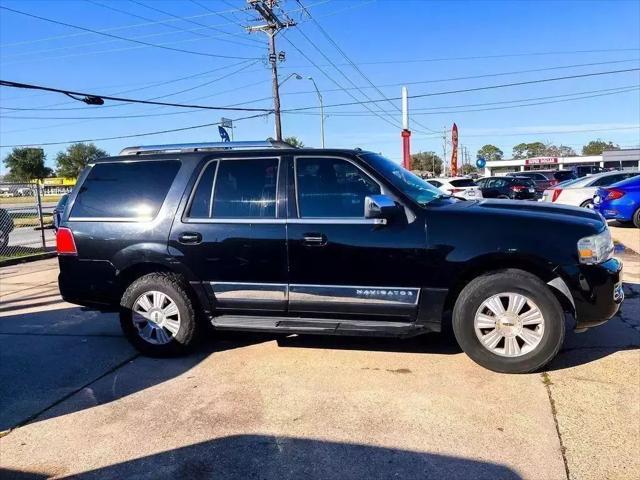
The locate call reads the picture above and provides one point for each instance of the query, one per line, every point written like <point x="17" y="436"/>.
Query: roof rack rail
<point x="203" y="147"/>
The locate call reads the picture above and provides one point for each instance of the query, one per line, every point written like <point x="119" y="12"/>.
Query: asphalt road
<point x="29" y="237"/>
<point x="77" y="401"/>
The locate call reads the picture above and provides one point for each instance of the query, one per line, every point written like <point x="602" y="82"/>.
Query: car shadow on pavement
<point x="241" y="457"/>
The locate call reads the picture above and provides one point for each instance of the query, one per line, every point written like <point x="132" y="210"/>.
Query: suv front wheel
<point x="157" y="315"/>
<point x="509" y="321"/>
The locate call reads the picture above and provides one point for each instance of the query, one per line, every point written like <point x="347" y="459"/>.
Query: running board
<point x="315" y="325"/>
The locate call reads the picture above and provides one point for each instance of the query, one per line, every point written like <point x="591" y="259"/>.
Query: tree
<point x="294" y="141"/>
<point x="596" y="147"/>
<point x="70" y="163"/>
<point x="425" y="162"/>
<point x="26" y="164"/>
<point x="468" y="169"/>
<point x="490" y="153"/>
<point x="561" y="151"/>
<point x="528" y="150"/>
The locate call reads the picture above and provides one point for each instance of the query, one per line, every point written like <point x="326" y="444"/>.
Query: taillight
<point x="615" y="194"/>
<point x="556" y="194"/>
<point x="65" y="244"/>
<point x="455" y="190"/>
<point x="518" y="188"/>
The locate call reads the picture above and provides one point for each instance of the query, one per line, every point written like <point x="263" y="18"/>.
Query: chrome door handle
<point x="190" y="238"/>
<point x="314" y="239"/>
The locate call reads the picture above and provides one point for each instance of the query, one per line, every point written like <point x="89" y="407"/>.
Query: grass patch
<point x="32" y="221"/>
<point x="30" y="200"/>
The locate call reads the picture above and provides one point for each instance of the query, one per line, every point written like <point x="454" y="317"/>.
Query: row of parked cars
<point x="616" y="194"/>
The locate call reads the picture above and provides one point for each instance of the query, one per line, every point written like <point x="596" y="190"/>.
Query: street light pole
<point x="321" y="111"/>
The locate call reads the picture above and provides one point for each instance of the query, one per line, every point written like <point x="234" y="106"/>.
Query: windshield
<point x="412" y="185"/>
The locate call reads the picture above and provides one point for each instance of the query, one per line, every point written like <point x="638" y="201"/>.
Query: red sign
<point x="541" y="160"/>
<point x="454" y="152"/>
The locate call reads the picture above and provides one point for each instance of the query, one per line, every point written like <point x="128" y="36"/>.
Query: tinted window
<point x="463" y="182"/>
<point x="246" y="189"/>
<point x="608" y="180"/>
<point x="330" y="187"/>
<point x="523" y="181"/>
<point x="562" y="176"/>
<point x="125" y="190"/>
<point x="201" y="200"/>
<point x="435" y="183"/>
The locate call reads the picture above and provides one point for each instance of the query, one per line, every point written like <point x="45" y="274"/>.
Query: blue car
<point x="620" y="201"/>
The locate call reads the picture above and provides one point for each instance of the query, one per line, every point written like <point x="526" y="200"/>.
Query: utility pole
<point x="444" y="153"/>
<point x="272" y="26"/>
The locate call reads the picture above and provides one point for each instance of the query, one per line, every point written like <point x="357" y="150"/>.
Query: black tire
<point x="504" y="197"/>
<point x="516" y="281"/>
<point x="636" y="218"/>
<point x="172" y="286"/>
<point x="586" y="203"/>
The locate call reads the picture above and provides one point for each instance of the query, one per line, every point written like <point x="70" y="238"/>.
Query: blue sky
<point x="393" y="42"/>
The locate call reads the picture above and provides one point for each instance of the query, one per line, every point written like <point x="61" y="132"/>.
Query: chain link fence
<point x="25" y="220"/>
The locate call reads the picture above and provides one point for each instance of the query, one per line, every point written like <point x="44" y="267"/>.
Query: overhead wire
<point x="353" y="64"/>
<point x="118" y="37"/>
<point x="119" y="137"/>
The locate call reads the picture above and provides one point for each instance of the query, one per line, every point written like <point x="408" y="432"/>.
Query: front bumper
<point x="597" y="292"/>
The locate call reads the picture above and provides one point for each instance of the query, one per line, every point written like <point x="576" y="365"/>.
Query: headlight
<point x="596" y="248"/>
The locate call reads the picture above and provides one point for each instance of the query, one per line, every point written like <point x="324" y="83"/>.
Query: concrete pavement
<point x="83" y="403"/>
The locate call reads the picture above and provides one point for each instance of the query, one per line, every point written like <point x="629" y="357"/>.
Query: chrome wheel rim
<point x="156" y="317"/>
<point x="509" y="324"/>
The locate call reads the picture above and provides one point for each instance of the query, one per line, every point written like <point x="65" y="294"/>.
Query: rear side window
<point x="243" y="189"/>
<point x="125" y="190"/>
<point x="562" y="176"/>
<point x="332" y="188"/>
<point x="463" y="182"/>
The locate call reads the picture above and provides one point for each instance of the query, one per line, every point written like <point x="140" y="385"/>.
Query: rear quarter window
<point x="125" y="190"/>
<point x="463" y="182"/>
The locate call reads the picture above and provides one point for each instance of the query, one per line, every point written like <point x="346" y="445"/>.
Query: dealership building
<point x="615" y="159"/>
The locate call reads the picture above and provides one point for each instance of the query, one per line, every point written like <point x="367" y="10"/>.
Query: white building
<point x="619" y="159"/>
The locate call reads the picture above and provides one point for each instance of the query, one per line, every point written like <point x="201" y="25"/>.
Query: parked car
<point x="580" y="192"/>
<point x="514" y="188"/>
<point x="545" y="178"/>
<point x="261" y="236"/>
<point x="583" y="170"/>
<point x="620" y="201"/>
<point x="458" y="187"/>
<point x="58" y="209"/>
<point x="6" y="227"/>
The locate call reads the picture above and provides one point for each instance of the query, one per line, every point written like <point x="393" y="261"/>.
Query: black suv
<point x="259" y="236"/>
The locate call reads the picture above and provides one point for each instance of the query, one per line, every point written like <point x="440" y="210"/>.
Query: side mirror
<point x="380" y="206"/>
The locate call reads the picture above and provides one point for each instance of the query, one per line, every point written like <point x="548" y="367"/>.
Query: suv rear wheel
<point x="157" y="315"/>
<point x="509" y="322"/>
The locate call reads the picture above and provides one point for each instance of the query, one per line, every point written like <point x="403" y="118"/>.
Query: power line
<point x="636" y="127"/>
<point x="484" y="75"/>
<point x="5" y="83"/>
<point x="111" y="29"/>
<point x="352" y="63"/>
<point x="117" y="37"/>
<point x="193" y="22"/>
<point x="476" y="89"/>
<point x="431" y="112"/>
<point x="131" y="135"/>
<point x="611" y="91"/>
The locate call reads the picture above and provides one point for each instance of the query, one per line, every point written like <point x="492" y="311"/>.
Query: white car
<point x="580" y="192"/>
<point x="458" y="187"/>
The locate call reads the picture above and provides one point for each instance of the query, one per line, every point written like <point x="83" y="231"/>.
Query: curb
<point x="27" y="258"/>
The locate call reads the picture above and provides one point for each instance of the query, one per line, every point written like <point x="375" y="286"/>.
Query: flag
<point x="223" y="134"/>
<point x="454" y="150"/>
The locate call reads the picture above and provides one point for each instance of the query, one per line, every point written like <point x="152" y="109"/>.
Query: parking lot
<point x="78" y="401"/>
